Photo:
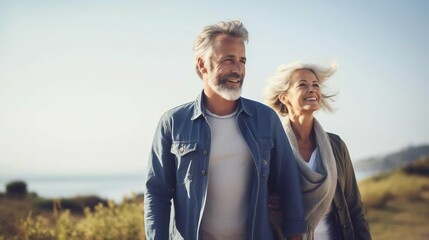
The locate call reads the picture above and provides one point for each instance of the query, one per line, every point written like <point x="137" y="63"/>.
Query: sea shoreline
<point x="110" y="187"/>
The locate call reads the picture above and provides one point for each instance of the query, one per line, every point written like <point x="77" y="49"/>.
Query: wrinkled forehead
<point x="225" y="43"/>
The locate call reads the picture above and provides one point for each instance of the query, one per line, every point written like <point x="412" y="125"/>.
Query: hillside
<point x="392" y="161"/>
<point x="396" y="202"/>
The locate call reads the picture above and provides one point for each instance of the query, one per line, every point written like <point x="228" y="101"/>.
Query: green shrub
<point x="16" y="189"/>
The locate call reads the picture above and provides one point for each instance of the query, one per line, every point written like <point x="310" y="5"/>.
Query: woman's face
<point x="303" y="95"/>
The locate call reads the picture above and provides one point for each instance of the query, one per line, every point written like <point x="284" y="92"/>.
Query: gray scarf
<point x="318" y="187"/>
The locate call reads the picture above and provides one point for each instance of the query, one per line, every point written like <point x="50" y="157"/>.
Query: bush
<point x="16" y="189"/>
<point x="90" y="201"/>
<point x="419" y="167"/>
<point x="113" y="222"/>
<point x="124" y="221"/>
<point x="68" y="204"/>
<point x="75" y="205"/>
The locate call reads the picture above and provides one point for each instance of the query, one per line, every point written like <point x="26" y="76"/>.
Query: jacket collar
<point x="200" y="110"/>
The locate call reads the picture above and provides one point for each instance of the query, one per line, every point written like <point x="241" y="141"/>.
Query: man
<point x="219" y="156"/>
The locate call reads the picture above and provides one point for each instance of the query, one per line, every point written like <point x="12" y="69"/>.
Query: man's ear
<point x="202" y="67"/>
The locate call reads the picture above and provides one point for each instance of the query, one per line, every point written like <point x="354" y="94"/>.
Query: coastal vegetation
<point x="396" y="207"/>
<point x="397" y="202"/>
<point x="30" y="217"/>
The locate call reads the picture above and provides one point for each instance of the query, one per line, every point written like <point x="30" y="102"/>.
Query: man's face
<point x="226" y="71"/>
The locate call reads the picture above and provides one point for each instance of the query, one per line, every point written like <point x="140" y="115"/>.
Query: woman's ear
<point x="283" y="99"/>
<point x="201" y="66"/>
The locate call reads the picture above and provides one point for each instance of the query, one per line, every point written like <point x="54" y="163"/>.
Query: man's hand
<point x="297" y="237"/>
<point x="275" y="210"/>
<point x="274" y="205"/>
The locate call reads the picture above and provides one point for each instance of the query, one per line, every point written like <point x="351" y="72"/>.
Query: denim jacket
<point x="178" y="170"/>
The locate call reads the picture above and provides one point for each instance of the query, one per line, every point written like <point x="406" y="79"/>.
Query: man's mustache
<point x="231" y="75"/>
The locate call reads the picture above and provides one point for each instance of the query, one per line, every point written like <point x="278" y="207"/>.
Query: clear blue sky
<point x="83" y="83"/>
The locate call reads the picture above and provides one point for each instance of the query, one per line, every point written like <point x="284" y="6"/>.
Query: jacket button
<point x="203" y="172"/>
<point x="205" y="152"/>
<point x="344" y="226"/>
<point x="339" y="208"/>
<point x="264" y="162"/>
<point x="181" y="149"/>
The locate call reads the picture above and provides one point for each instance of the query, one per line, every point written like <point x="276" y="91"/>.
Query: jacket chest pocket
<point x="186" y="157"/>
<point x="267" y="145"/>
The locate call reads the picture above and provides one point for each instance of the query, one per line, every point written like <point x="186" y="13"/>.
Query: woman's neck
<point x="302" y="126"/>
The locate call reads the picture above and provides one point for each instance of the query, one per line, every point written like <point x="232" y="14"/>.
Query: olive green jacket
<point x="349" y="210"/>
<point x="350" y="213"/>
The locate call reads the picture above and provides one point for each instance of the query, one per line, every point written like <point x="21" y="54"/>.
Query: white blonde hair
<point x="279" y="83"/>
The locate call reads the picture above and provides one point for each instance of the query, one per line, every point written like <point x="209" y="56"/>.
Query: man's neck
<point x="218" y="105"/>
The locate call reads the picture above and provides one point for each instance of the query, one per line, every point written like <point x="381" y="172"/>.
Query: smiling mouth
<point x="234" y="80"/>
<point x="310" y="99"/>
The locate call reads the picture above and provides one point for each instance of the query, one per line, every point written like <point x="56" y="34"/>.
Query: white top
<point x="226" y="208"/>
<point x="324" y="229"/>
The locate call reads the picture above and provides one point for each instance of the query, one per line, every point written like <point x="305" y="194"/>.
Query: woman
<point x="333" y="207"/>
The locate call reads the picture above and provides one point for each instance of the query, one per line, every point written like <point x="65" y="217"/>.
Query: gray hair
<point x="203" y="44"/>
<point x="279" y="83"/>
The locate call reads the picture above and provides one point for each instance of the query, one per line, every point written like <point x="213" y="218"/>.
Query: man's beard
<point x="219" y="86"/>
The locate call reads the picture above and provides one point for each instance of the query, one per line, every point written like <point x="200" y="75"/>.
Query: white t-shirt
<point x="226" y="207"/>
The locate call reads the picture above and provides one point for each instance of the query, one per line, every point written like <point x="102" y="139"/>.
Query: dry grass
<point x="26" y="218"/>
<point x="12" y="211"/>
<point x="400" y="220"/>
<point x="397" y="205"/>
<point x="377" y="192"/>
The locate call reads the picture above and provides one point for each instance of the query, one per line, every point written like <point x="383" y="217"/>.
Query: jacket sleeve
<point x="352" y="196"/>
<point x="285" y="181"/>
<point x="159" y="188"/>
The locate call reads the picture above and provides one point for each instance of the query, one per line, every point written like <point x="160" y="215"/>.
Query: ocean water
<point x="362" y="175"/>
<point x="107" y="187"/>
